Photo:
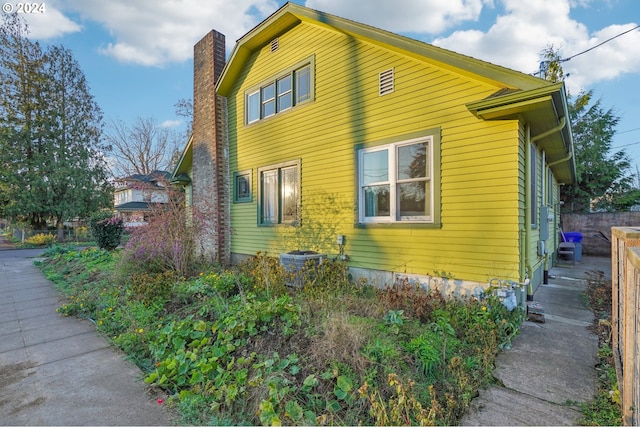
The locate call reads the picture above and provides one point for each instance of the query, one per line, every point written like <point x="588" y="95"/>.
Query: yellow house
<point x="403" y="158"/>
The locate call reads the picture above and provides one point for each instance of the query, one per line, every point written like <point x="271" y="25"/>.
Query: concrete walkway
<point x="57" y="370"/>
<point x="551" y="365"/>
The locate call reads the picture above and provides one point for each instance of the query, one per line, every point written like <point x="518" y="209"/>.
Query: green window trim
<point x="242" y="186"/>
<point x="395" y="181"/>
<point x="285" y="91"/>
<point x="279" y="194"/>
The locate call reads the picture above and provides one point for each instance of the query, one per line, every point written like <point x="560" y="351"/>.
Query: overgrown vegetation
<point x="604" y="409"/>
<point x="241" y="347"/>
<point x="167" y="242"/>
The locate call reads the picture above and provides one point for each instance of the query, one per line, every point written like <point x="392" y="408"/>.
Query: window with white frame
<point x="289" y="89"/>
<point x="395" y="182"/>
<point x="279" y="198"/>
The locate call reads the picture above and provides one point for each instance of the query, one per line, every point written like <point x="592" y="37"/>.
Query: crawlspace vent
<point x="386" y="82"/>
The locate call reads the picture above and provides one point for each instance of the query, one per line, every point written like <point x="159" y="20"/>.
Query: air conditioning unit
<point x="295" y="261"/>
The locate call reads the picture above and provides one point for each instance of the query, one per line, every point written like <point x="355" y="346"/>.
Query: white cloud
<point x="526" y="28"/>
<point x="606" y="62"/>
<point x="164" y="31"/>
<point x="170" y="123"/>
<point x="161" y="32"/>
<point x="49" y="23"/>
<point x="416" y="16"/>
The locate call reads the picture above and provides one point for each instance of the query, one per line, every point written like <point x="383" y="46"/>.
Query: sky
<point x="137" y="55"/>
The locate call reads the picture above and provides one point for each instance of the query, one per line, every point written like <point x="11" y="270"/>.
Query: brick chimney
<point x="210" y="173"/>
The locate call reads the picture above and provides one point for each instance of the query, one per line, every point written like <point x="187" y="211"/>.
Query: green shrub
<point x="106" y="229"/>
<point x="54" y="250"/>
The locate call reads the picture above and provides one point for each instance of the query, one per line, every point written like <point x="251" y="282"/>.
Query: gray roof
<point x="134" y="206"/>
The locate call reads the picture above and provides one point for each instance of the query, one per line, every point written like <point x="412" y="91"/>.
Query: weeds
<point x="241" y="347"/>
<point x="604" y="409"/>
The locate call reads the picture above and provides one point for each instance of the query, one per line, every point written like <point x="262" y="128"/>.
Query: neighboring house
<point x="134" y="196"/>
<point x="429" y="163"/>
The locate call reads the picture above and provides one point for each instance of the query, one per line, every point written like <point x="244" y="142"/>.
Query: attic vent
<point x="275" y="44"/>
<point x="386" y="82"/>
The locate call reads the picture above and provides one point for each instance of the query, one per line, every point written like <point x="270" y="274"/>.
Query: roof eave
<point x="543" y="108"/>
<point x="185" y="161"/>
<point x="291" y="15"/>
<point x="280" y="21"/>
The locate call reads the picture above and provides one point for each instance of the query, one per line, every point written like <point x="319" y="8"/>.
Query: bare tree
<point x="141" y="147"/>
<point x="184" y="109"/>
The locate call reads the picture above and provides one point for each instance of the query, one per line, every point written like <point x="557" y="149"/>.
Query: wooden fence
<point x="625" y="266"/>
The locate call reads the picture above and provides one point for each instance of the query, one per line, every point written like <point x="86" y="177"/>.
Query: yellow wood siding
<point x="481" y="187"/>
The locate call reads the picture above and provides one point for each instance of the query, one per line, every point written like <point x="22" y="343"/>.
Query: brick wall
<point x="210" y="177"/>
<point x="594" y="225"/>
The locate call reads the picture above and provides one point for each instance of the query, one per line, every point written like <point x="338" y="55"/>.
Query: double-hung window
<point x="279" y="94"/>
<point x="268" y="98"/>
<point x="285" y="91"/>
<point x="396" y="182"/>
<point x="279" y="193"/>
<point x="253" y="106"/>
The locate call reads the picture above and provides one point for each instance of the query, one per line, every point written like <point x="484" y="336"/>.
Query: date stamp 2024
<point x="24" y="7"/>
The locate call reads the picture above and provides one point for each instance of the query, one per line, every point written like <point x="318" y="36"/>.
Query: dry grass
<point x="340" y="340"/>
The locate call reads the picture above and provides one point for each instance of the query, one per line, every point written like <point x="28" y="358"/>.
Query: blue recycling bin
<point x="575" y="238"/>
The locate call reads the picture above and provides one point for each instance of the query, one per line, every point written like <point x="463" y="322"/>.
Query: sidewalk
<point x="550" y="364"/>
<point x="57" y="370"/>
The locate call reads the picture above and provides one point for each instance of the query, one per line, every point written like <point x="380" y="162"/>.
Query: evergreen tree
<point x="603" y="181"/>
<point x="21" y="121"/>
<point x="603" y="175"/>
<point x="76" y="170"/>
<point x="51" y="163"/>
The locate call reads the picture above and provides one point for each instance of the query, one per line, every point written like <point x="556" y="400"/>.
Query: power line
<point x="584" y="51"/>
<point x="626" y="145"/>
<point x="627" y="131"/>
<point x="599" y="44"/>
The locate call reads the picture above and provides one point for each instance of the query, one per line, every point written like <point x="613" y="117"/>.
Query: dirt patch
<point x="36" y="402"/>
<point x="11" y="374"/>
<point x="17" y="398"/>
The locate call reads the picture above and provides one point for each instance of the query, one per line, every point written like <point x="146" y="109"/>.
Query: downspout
<point x="556" y="214"/>
<point x="545" y="271"/>
<point x="532" y="140"/>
